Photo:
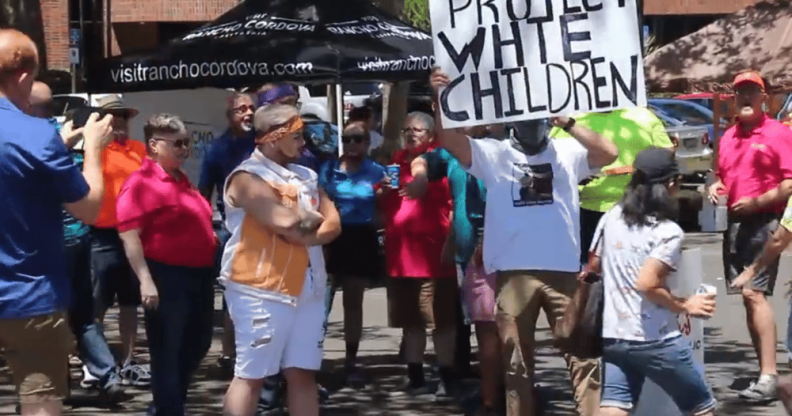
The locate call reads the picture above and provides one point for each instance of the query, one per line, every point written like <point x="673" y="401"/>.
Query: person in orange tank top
<point x="273" y="267"/>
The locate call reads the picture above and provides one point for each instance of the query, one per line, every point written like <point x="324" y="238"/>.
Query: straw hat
<point x="113" y="104"/>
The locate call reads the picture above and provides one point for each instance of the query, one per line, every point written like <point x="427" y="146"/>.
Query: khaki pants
<point x="37" y="350"/>
<point x="520" y="295"/>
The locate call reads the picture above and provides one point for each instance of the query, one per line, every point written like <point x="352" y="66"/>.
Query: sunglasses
<point x="357" y="138"/>
<point x="185" y="142"/>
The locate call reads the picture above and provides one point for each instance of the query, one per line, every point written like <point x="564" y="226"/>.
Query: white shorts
<point x="272" y="335"/>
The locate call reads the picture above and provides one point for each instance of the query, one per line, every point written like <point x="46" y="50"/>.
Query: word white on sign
<point x="74" y="55"/>
<point x="512" y="60"/>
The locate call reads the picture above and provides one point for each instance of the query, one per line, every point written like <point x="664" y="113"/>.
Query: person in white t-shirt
<point x="531" y="238"/>
<point x="639" y="247"/>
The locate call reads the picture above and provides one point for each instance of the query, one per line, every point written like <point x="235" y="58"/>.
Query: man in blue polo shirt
<point x="92" y="345"/>
<point x="223" y="156"/>
<point x="37" y="177"/>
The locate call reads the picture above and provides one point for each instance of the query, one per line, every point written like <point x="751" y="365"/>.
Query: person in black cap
<point x="532" y="235"/>
<point x="638" y="246"/>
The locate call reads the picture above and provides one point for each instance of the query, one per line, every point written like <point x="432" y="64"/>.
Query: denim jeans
<point x="94" y="351"/>
<point x="668" y="363"/>
<point x="179" y="332"/>
<point x="789" y="335"/>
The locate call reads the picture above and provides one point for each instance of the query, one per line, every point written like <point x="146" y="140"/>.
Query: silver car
<point x="693" y="151"/>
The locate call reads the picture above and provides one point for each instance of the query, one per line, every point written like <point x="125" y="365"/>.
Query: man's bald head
<point x="40" y="100"/>
<point x="18" y="66"/>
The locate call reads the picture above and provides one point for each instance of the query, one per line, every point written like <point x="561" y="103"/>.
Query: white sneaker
<point x="89" y="380"/>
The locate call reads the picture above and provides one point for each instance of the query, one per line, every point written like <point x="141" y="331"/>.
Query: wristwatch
<point x="569" y="125"/>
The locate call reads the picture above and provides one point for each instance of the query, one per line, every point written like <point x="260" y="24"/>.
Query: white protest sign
<point x="654" y="400"/>
<point x="511" y="60"/>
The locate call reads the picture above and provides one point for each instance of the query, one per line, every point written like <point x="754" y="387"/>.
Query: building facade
<point x="134" y="24"/>
<point x="140" y="24"/>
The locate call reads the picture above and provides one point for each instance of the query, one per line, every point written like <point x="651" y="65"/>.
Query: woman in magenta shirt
<point x="166" y="228"/>
<point x="422" y="289"/>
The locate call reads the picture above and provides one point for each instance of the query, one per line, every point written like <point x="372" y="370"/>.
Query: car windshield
<point x="710" y="104"/>
<point x="667" y="120"/>
<point x="688" y="114"/>
<point x="63" y="103"/>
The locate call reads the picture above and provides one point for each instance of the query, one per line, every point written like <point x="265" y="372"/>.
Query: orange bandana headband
<point x="278" y="132"/>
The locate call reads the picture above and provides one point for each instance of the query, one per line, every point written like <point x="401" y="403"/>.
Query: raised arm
<point x="601" y="151"/>
<point x="97" y="134"/>
<point x="452" y="140"/>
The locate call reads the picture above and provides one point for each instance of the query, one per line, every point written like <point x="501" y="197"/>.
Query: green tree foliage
<point x="417" y="12"/>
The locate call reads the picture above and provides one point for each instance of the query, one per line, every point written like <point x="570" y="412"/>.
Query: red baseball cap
<point x="749" y="76"/>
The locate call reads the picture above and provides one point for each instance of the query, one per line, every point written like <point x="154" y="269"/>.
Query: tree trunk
<point x="25" y="16"/>
<point x="394" y="102"/>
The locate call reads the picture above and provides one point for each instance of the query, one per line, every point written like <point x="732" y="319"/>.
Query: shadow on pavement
<point x="726" y="363"/>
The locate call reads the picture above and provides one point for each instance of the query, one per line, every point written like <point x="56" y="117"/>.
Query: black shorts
<point x="355" y="252"/>
<point x="743" y="241"/>
<point x="111" y="274"/>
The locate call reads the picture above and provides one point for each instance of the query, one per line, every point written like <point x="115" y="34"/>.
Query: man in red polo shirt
<point x="755" y="173"/>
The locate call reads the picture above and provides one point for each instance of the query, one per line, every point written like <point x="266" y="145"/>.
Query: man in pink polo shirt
<point x="755" y="173"/>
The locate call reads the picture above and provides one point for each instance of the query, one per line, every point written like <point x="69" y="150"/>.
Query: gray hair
<point x="272" y="115"/>
<point x="423" y="118"/>
<point x="163" y="123"/>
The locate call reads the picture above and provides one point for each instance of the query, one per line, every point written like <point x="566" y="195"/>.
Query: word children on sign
<point x="512" y="60"/>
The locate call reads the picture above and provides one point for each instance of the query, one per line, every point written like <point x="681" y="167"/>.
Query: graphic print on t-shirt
<point x="532" y="184"/>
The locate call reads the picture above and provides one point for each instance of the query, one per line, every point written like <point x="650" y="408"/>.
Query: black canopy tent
<point x="260" y="41"/>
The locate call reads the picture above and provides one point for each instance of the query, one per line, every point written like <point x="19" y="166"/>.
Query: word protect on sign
<point x="511" y="60"/>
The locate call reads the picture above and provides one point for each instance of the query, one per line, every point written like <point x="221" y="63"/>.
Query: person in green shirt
<point x="631" y="130"/>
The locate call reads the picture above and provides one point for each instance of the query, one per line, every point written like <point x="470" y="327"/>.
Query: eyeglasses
<point x="357" y="138"/>
<point x="414" y="130"/>
<point x="183" y="142"/>
<point x="242" y="109"/>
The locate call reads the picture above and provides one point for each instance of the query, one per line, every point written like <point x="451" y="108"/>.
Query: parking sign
<point x="74" y="36"/>
<point x="74" y="55"/>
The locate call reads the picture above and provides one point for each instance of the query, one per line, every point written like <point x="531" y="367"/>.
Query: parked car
<point x="706" y="99"/>
<point x="692" y="145"/>
<point x="63" y="103"/>
<point x="690" y="113"/>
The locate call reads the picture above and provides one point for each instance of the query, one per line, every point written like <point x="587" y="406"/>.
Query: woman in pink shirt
<point x="166" y="227"/>
<point x="422" y="291"/>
